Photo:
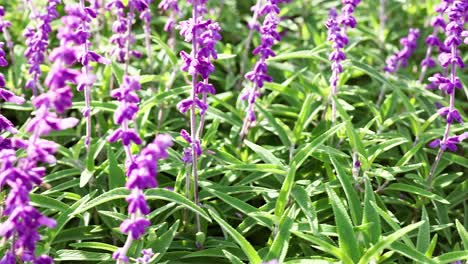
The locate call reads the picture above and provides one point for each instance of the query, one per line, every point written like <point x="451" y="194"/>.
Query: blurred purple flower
<point x="400" y="58"/>
<point x="204" y="35"/>
<point x="337" y="26"/>
<point x="259" y="75"/>
<point x="456" y="13"/>
<point x="142" y="172"/>
<point x="37" y="40"/>
<point x="171" y="8"/>
<point x="146" y="256"/>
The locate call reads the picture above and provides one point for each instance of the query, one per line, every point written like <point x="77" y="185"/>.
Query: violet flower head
<point x="146" y="256"/>
<point x="4" y="25"/>
<point x="126" y="111"/>
<point x="3" y="60"/>
<point x="337" y="25"/>
<point x="37" y="41"/>
<point x="456" y="13"/>
<point x="171" y="8"/>
<point x="121" y="28"/>
<point x="142" y="174"/>
<point x="259" y="75"/>
<point x="451" y="61"/>
<point x="432" y="41"/>
<point x="23" y="174"/>
<point x="204" y="35"/>
<point x="401" y="57"/>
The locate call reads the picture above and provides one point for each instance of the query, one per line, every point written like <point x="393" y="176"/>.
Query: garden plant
<point x="233" y="131"/>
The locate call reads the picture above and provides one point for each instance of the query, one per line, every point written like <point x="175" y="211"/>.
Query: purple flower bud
<point x="147" y="254"/>
<point x="400" y="58"/>
<point x="134" y="227"/>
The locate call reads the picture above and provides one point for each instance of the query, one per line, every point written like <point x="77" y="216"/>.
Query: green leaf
<point x="324" y="246"/>
<point x="117" y="71"/>
<point x="309" y="148"/>
<point x="152" y="194"/>
<point x="86" y="175"/>
<point x="66" y="216"/>
<point x="264" y="154"/>
<point x="269" y="168"/>
<point x="304" y="115"/>
<point x="303" y="200"/>
<point x="346" y="235"/>
<point x="95" y="245"/>
<point x="43" y="201"/>
<point x="353" y="136"/>
<point x="416" y="190"/>
<point x="116" y="174"/>
<point x="79" y="255"/>
<point x="252" y="255"/>
<point x="346" y="181"/>
<point x="411" y="253"/>
<point x="165" y="47"/>
<point x="300" y="54"/>
<point x="373" y="232"/>
<point x="391" y="221"/>
<point x="232" y="258"/>
<point x="280" y="244"/>
<point x="278" y="129"/>
<point x="373" y="252"/>
<point x="240" y="205"/>
<point x="463" y="233"/>
<point x="452" y="256"/>
<point x="161" y="245"/>
<point x="285" y="191"/>
<point x="424" y="233"/>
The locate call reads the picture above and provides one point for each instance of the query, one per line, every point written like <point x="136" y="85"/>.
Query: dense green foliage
<point x="288" y="191"/>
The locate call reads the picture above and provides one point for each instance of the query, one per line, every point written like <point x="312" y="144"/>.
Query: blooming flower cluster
<point x="123" y="37"/>
<point x="4" y="25"/>
<point x="37" y="40"/>
<point x="400" y="58"/>
<point x="5" y="124"/>
<point x="204" y="34"/>
<point x="172" y="8"/>
<point x="438" y="23"/>
<point x="22" y="174"/>
<point x="259" y="75"/>
<point x="337" y="26"/>
<point x="451" y="60"/>
<point x="141" y="173"/>
<point x="74" y="48"/>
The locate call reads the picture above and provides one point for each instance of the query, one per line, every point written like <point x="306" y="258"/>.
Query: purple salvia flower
<point x="84" y="15"/>
<point x="146" y="256"/>
<point x="259" y="75"/>
<point x="37" y="41"/>
<point x="123" y="37"/>
<point x="142" y="168"/>
<point x="456" y="13"/>
<point x="400" y="58"/>
<point x="203" y="34"/>
<point x="171" y="8"/>
<point x="119" y="28"/>
<point x="438" y="23"/>
<point x="4" y="25"/>
<point x="21" y="175"/>
<point x="141" y="173"/>
<point x="74" y="48"/>
<point x="145" y="16"/>
<point x="5" y="124"/>
<point x="338" y="26"/>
